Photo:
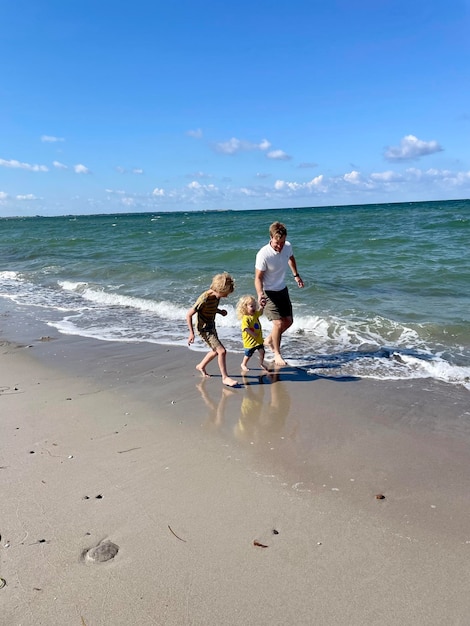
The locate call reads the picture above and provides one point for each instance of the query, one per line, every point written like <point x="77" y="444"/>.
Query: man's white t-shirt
<point x="274" y="266"/>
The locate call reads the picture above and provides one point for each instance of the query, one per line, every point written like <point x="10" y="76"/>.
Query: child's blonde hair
<point x="223" y="283"/>
<point x="243" y="303"/>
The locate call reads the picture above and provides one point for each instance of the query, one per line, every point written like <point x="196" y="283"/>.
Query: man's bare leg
<point x="279" y="326"/>
<point x="268" y="342"/>
<point x="276" y="335"/>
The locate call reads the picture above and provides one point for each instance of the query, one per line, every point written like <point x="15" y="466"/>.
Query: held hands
<point x="222" y="312"/>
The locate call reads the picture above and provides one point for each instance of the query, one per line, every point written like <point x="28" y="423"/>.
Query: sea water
<point x="386" y="291"/>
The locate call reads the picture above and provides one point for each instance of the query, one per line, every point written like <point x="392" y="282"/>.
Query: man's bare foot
<point x="230" y="382"/>
<point x="203" y="371"/>
<point x="244" y="368"/>
<point x="278" y="360"/>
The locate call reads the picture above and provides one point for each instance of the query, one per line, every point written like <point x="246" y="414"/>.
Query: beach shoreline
<point x="125" y="442"/>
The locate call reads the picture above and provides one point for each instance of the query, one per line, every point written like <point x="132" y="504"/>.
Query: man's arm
<point x="259" y="274"/>
<point x="293" y="266"/>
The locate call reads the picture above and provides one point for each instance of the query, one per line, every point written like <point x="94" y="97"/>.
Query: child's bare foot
<point x="203" y="371"/>
<point x="230" y="382"/>
<point x="244" y="368"/>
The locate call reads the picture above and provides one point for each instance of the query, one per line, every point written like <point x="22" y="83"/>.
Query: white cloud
<point x="387" y="177"/>
<point x="128" y="201"/>
<point x="28" y="196"/>
<point x="198" y="175"/>
<point x="348" y="186"/>
<point x="264" y="144"/>
<point x="432" y="175"/>
<point x="316" y="183"/>
<point x="278" y="155"/>
<point x="81" y="169"/>
<point x="353" y="177"/>
<point x="235" y="145"/>
<point x="13" y="163"/>
<point x="123" y="170"/>
<point x="196" y="186"/>
<point x="196" y="134"/>
<point x="3" y="195"/>
<point x="158" y="192"/>
<point x="59" y="165"/>
<point x="411" y="148"/>
<point x="247" y="192"/>
<point x="50" y="139"/>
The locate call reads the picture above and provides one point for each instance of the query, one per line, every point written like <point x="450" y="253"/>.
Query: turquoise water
<point x="386" y="286"/>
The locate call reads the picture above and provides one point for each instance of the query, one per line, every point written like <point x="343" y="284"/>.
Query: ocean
<point x="386" y="286"/>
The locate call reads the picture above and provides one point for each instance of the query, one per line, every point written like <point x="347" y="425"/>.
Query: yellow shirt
<point x="252" y="322"/>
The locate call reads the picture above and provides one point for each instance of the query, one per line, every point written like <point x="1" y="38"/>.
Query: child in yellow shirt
<point x="252" y="333"/>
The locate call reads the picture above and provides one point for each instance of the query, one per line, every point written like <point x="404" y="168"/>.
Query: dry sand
<point x="122" y="443"/>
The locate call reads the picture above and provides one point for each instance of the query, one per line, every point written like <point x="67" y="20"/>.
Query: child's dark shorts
<point x="250" y="351"/>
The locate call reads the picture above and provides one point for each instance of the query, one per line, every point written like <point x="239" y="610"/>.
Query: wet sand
<point x="216" y="506"/>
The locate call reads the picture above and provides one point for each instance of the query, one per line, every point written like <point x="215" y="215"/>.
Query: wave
<point x="164" y="309"/>
<point x="387" y="365"/>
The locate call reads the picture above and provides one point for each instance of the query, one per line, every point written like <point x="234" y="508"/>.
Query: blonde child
<point x="252" y="333"/>
<point x="206" y="308"/>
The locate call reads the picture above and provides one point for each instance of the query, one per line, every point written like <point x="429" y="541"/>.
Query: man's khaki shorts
<point x="278" y="304"/>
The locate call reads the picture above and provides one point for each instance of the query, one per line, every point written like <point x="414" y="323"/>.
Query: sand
<point x="135" y="493"/>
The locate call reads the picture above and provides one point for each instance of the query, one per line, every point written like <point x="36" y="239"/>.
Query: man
<point x="271" y="264"/>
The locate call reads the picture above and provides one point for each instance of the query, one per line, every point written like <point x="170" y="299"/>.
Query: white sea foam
<point x="10" y="275"/>
<point x="395" y="366"/>
<point x="439" y="370"/>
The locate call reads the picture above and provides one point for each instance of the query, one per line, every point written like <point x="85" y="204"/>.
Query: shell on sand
<point x="104" y="551"/>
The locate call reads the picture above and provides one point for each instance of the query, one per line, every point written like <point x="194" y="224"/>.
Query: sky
<point x="116" y="106"/>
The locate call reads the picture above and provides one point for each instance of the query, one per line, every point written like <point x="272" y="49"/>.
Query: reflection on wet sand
<point x="216" y="413"/>
<point x="259" y="419"/>
<point x="253" y="414"/>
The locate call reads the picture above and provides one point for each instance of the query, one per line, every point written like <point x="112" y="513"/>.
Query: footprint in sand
<point x="104" y="551"/>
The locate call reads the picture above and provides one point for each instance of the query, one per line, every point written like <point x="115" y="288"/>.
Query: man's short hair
<point x="277" y="230"/>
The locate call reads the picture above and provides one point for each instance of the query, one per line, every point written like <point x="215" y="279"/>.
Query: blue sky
<point x="187" y="105"/>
